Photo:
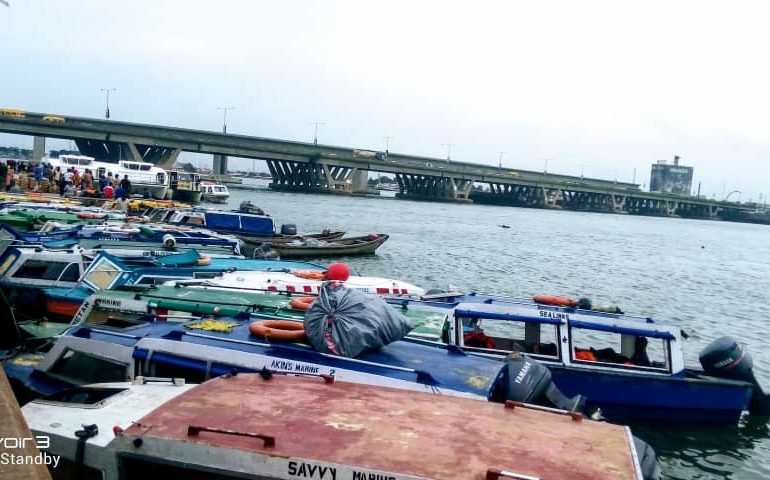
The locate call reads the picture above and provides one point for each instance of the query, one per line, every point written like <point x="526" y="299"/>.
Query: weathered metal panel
<point x="387" y="430"/>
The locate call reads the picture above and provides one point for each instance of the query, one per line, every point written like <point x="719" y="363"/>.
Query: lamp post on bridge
<point x="500" y="160"/>
<point x="448" y="151"/>
<point x="107" y="101"/>
<point x="224" y="117"/>
<point x="387" y="144"/>
<point x="315" y="131"/>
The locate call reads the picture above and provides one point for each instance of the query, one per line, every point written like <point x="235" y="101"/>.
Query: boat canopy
<point x="249" y="224"/>
<point x="627" y="330"/>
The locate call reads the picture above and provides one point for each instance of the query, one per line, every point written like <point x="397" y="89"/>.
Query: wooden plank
<point x="14" y="431"/>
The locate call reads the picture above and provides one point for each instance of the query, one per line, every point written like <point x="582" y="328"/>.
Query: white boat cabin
<point x="214" y="192"/>
<point x="568" y="337"/>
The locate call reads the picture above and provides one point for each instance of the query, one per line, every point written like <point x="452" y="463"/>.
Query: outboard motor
<point x="726" y="358"/>
<point x="648" y="460"/>
<point x="265" y="252"/>
<point x="529" y="381"/>
<point x="288" y="229"/>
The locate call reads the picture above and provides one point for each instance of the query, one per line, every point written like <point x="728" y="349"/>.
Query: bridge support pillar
<point x="133" y="152"/>
<point x="461" y="189"/>
<point x="167" y="163"/>
<point x="618" y="203"/>
<point x="359" y="181"/>
<point x="38" y="148"/>
<point x="433" y="188"/>
<point x="220" y="165"/>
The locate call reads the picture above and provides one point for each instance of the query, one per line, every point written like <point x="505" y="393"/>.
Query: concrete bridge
<point x="311" y="167"/>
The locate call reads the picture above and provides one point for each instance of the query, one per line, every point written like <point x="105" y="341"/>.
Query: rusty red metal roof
<point x="384" y="429"/>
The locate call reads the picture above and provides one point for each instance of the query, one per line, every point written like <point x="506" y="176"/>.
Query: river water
<point x="711" y="278"/>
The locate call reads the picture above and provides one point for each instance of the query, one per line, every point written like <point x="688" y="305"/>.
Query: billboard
<point x="674" y="179"/>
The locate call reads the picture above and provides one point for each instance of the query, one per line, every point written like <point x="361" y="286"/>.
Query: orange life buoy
<point x="301" y="303"/>
<point x="554" y="300"/>
<point x="90" y="215"/>
<point x="310" y="274"/>
<point x="203" y="260"/>
<point x="286" y="330"/>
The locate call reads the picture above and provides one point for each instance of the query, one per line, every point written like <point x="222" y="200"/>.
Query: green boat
<point x="116" y="307"/>
<point x="30" y="220"/>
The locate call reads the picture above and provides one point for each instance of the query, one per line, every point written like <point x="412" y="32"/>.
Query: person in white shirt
<point x="122" y="203"/>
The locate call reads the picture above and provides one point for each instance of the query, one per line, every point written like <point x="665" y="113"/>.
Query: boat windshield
<point x="611" y="348"/>
<point x="504" y="336"/>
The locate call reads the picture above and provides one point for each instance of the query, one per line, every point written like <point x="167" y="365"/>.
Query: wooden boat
<point x="282" y="239"/>
<point x="365" y="245"/>
<point x="273" y="426"/>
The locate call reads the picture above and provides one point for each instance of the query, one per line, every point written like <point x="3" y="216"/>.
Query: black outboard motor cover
<point x="288" y="229"/>
<point x="726" y="358"/>
<point x="264" y="251"/>
<point x="529" y="381"/>
<point x="648" y="460"/>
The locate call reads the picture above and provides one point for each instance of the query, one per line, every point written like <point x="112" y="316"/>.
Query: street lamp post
<point x="107" y="101"/>
<point x="448" y="151"/>
<point x="315" y="131"/>
<point x="224" y="117"/>
<point x="500" y="159"/>
<point x="387" y="143"/>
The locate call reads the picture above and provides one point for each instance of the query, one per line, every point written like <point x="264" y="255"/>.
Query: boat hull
<point x="207" y="197"/>
<point x="364" y="247"/>
<point x="187" y="196"/>
<point x="61" y="307"/>
<point x="154" y="190"/>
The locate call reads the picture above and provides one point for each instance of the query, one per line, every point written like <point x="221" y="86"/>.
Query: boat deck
<point x="340" y="426"/>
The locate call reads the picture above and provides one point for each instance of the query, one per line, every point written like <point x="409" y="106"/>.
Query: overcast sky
<point x="599" y="87"/>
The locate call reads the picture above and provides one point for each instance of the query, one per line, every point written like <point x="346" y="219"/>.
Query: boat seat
<point x="507" y="344"/>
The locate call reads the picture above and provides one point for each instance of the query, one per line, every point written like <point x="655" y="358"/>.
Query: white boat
<point x="214" y="192"/>
<point x="144" y="176"/>
<point x="299" y="283"/>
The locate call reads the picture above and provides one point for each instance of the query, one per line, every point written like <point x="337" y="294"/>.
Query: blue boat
<point x="630" y="367"/>
<point x="115" y="347"/>
<point x="118" y="237"/>
<point x="55" y="282"/>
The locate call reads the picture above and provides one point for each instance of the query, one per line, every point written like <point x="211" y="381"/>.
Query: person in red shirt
<point x="108" y="191"/>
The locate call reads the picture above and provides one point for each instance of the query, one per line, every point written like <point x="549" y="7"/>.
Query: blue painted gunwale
<point x="438" y="368"/>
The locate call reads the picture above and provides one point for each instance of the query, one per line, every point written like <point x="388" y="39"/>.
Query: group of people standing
<point x="73" y="183"/>
<point x="69" y="181"/>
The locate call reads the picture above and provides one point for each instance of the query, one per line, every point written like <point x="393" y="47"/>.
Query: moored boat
<point x="364" y="245"/>
<point x="273" y="426"/>
<point x="144" y="177"/>
<point x="185" y="186"/>
<point x="214" y="192"/>
<point x="308" y="281"/>
<point x="630" y="367"/>
<point x="253" y="227"/>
